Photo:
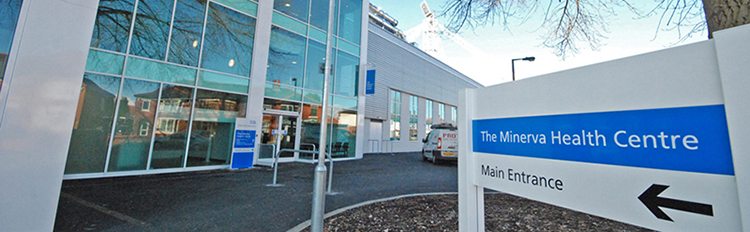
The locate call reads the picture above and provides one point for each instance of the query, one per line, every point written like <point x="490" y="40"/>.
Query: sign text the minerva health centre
<point x="690" y="139"/>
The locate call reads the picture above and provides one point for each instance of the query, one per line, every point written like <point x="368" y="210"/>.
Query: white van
<point x="441" y="143"/>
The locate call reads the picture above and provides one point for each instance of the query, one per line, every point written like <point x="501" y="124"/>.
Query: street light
<point x="513" y="64"/>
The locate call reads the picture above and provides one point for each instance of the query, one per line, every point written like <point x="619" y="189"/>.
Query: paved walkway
<point x="224" y="200"/>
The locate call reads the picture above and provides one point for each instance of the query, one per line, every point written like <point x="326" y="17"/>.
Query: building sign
<point x="243" y="150"/>
<point x="370" y="83"/>
<point x="654" y="145"/>
<point x="689" y="139"/>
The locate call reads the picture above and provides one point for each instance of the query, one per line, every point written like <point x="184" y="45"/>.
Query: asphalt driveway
<point x="224" y="200"/>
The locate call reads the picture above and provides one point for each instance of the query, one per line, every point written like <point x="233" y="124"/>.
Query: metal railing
<point x="276" y="167"/>
<point x="375" y="145"/>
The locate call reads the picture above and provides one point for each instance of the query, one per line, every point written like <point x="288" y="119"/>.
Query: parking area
<point x="224" y="200"/>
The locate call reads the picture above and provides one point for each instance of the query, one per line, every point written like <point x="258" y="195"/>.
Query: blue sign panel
<point x="244" y="147"/>
<point x="691" y="139"/>
<point x="244" y="139"/>
<point x="370" y="83"/>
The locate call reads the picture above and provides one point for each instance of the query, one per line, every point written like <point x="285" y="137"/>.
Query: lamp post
<point x="513" y="64"/>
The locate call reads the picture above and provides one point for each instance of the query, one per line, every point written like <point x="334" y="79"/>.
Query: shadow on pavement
<point x="224" y="200"/>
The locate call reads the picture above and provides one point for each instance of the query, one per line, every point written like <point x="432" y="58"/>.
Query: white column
<point x="470" y="196"/>
<point x="43" y="82"/>
<point x="260" y="62"/>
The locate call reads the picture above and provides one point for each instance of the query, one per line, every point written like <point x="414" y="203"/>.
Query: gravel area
<point x="503" y="212"/>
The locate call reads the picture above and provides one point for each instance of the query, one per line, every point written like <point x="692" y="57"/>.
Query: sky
<point x="627" y="36"/>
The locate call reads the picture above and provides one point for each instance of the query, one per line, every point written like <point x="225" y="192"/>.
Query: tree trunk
<point x="723" y="14"/>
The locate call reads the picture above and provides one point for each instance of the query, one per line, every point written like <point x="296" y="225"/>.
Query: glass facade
<point x="9" y="12"/>
<point x="166" y="79"/>
<point x="428" y="116"/>
<point x="454" y="115"/>
<point x="441" y="112"/>
<point x="413" y="117"/>
<point x="395" y="122"/>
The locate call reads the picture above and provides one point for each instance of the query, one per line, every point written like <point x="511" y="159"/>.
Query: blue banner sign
<point x="691" y="139"/>
<point x="370" y="82"/>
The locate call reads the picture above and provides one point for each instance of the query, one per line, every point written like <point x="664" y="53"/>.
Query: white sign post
<point x="647" y="140"/>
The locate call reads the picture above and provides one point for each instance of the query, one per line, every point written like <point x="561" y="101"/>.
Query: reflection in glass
<point x="347" y="73"/>
<point x="316" y="58"/>
<point x="286" y="57"/>
<point x="283" y="92"/>
<point x="310" y="131"/>
<point x="151" y="29"/>
<point x="428" y="116"/>
<point x="313" y="97"/>
<point x="441" y="112"/>
<point x="267" y="138"/>
<point x="284" y="139"/>
<point x="395" y="122"/>
<point x="172" y="127"/>
<point x="413" y="117"/>
<point x="112" y="25"/>
<point x="319" y="14"/>
<point x="9" y="11"/>
<point x="185" y="44"/>
<point x="288" y="139"/>
<point x="93" y="124"/>
<point x="213" y="125"/>
<point x="228" y="45"/>
<point x="294" y="8"/>
<point x="454" y="115"/>
<point x="133" y="129"/>
<point x="273" y="104"/>
<point x="350" y="20"/>
<point x="343" y="133"/>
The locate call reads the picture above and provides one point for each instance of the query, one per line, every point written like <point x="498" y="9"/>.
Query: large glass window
<point x="413" y="117"/>
<point x="347" y="73"/>
<point x="172" y="127"/>
<point x="395" y="123"/>
<point x="273" y="104"/>
<point x="454" y="114"/>
<point x="228" y="45"/>
<point x="295" y="8"/>
<point x="428" y="116"/>
<point x="112" y="25"/>
<point x="185" y="44"/>
<point x="213" y="125"/>
<point x="286" y="57"/>
<point x="93" y="124"/>
<point x="343" y="132"/>
<point x="310" y="137"/>
<point x="441" y="112"/>
<point x="316" y="58"/>
<point x="135" y="120"/>
<point x="151" y="29"/>
<point x="319" y="14"/>
<point x="9" y="12"/>
<point x="350" y="20"/>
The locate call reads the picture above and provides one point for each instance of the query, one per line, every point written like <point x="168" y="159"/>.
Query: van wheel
<point x="434" y="158"/>
<point x="424" y="156"/>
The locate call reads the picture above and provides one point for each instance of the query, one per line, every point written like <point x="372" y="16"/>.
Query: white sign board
<point x="642" y="140"/>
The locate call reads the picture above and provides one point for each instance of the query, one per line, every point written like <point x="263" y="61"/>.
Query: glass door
<point x="278" y="132"/>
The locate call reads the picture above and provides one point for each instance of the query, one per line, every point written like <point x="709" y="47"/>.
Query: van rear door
<point x="448" y="140"/>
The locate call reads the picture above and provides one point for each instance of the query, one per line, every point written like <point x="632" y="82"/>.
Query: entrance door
<point x="278" y="132"/>
<point x="376" y="136"/>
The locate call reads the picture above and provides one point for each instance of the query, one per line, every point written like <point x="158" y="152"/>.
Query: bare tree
<point x="569" y="22"/>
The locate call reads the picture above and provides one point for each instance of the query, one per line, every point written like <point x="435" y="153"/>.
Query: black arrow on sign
<point x="652" y="201"/>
